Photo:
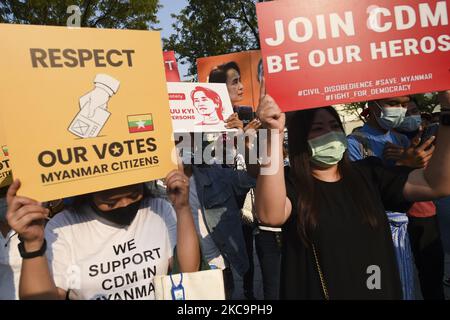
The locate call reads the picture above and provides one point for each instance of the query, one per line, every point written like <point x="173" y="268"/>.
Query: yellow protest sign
<point x="84" y="109"/>
<point x="5" y="169"/>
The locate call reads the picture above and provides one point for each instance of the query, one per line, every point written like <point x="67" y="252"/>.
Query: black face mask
<point x="121" y="216"/>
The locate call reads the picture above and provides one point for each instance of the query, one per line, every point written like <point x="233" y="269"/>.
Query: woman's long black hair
<point x="308" y="205"/>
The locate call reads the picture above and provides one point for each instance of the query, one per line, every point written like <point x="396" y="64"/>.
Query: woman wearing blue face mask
<point x="412" y="123"/>
<point x="336" y="237"/>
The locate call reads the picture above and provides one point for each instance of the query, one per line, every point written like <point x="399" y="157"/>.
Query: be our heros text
<point x="408" y="31"/>
<point x="141" y="152"/>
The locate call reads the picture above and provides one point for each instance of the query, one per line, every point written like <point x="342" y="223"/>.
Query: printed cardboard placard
<point x="325" y="52"/>
<point x="199" y="107"/>
<point x="84" y="109"/>
<point x="250" y="67"/>
<point x="171" y="67"/>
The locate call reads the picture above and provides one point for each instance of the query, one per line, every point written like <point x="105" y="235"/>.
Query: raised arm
<point x="188" y="247"/>
<point x="27" y="217"/>
<point x="433" y="182"/>
<point x="273" y="208"/>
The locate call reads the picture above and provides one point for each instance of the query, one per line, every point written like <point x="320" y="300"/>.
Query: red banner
<point x="325" y="52"/>
<point x="171" y="66"/>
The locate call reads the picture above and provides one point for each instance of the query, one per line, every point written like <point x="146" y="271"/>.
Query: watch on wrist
<point x="31" y="255"/>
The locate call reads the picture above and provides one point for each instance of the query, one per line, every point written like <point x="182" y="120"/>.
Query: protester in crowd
<point x="215" y="197"/>
<point x="423" y="226"/>
<point x="230" y="74"/>
<point x="266" y="239"/>
<point x="108" y="246"/>
<point x="266" y="243"/>
<point x="10" y="260"/>
<point x="412" y="124"/>
<point x="338" y="245"/>
<point x="383" y="116"/>
<point x="249" y="223"/>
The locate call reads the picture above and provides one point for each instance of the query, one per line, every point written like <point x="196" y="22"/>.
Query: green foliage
<point x="131" y="14"/>
<point x="213" y="27"/>
<point x="427" y="102"/>
<point x="355" y="109"/>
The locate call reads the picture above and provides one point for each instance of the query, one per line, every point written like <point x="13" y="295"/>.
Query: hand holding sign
<point x="252" y="126"/>
<point x="178" y="189"/>
<point x="268" y="111"/>
<point x="233" y="122"/>
<point x="26" y="217"/>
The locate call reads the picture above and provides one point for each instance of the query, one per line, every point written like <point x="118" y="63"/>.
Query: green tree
<point x="355" y="109"/>
<point x="120" y="14"/>
<point x="427" y="102"/>
<point x="213" y="27"/>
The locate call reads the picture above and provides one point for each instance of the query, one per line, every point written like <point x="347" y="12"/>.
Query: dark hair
<point x="82" y="199"/>
<point x="308" y="205"/>
<point x="219" y="74"/>
<point x="211" y="95"/>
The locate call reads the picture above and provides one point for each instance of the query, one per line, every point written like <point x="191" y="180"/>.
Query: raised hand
<point x="418" y="156"/>
<point x="268" y="111"/>
<point x="27" y="217"/>
<point x="178" y="189"/>
<point x="233" y="122"/>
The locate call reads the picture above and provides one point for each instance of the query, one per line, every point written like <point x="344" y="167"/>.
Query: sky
<point x="169" y="7"/>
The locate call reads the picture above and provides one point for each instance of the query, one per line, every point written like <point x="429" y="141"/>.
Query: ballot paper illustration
<point x="94" y="113"/>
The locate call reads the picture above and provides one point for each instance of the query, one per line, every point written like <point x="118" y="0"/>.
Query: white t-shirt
<point x="210" y="251"/>
<point x="10" y="266"/>
<point x="97" y="259"/>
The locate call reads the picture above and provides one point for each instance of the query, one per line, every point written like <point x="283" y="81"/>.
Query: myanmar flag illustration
<point x="140" y="123"/>
<point x="5" y="151"/>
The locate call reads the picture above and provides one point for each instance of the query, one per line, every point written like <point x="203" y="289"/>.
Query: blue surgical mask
<point x="411" y="124"/>
<point x="391" y="117"/>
